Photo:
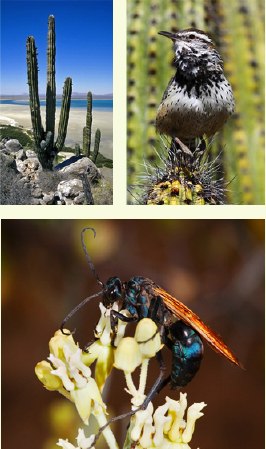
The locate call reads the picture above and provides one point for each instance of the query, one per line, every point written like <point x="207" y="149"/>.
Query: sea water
<point x="100" y="105"/>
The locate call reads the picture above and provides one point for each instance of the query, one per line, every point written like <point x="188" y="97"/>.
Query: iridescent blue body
<point x="137" y="296"/>
<point x="187" y="352"/>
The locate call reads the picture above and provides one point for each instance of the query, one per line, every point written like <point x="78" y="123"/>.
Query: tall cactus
<point x="87" y="128"/>
<point x="44" y="140"/>
<point x="51" y="86"/>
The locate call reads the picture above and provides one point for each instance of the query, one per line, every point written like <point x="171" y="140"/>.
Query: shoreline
<point x="20" y="116"/>
<point x="25" y="98"/>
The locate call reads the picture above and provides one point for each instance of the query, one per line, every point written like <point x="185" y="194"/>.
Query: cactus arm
<point x="64" y="115"/>
<point x="96" y="145"/>
<point x="87" y="128"/>
<point x="86" y="140"/>
<point x="32" y="69"/>
<point x="51" y="85"/>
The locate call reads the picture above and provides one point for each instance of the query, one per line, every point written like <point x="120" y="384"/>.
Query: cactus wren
<point x="198" y="99"/>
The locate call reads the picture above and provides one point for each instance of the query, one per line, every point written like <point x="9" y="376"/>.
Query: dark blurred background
<point x="216" y="267"/>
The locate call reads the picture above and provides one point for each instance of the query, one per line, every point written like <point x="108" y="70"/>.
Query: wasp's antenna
<point x="73" y="311"/>
<point x="91" y="265"/>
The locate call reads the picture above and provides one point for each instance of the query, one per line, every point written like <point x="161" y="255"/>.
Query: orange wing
<point x="185" y="314"/>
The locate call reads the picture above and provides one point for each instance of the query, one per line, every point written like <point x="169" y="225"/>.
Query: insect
<point x="180" y="328"/>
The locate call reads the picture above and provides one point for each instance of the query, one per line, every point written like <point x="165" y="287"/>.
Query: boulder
<point x="21" y="155"/>
<point x="49" y="198"/>
<point x="82" y="165"/>
<point x="30" y="153"/>
<point x="13" y="145"/>
<point x="69" y="189"/>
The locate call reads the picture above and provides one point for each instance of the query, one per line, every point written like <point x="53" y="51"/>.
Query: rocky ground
<point x="23" y="181"/>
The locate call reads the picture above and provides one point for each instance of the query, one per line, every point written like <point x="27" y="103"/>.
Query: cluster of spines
<point x="183" y="179"/>
<point x="44" y="140"/>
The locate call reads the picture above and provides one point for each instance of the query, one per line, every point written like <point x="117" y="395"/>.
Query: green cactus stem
<point x="64" y="114"/>
<point x="96" y="146"/>
<point x="51" y="86"/>
<point x="86" y="140"/>
<point x="87" y="128"/>
<point x="35" y="111"/>
<point x="77" y="149"/>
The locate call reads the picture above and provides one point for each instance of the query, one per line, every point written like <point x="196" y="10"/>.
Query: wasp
<point x="181" y="329"/>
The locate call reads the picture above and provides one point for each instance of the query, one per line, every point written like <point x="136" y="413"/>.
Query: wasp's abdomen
<point x="187" y="352"/>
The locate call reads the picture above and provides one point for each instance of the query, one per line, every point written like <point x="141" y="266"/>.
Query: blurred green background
<point x="216" y="267"/>
<point x="237" y="28"/>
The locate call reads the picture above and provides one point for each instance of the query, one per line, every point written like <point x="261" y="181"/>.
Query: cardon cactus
<point x="237" y="29"/>
<point x="87" y="128"/>
<point x="46" y="146"/>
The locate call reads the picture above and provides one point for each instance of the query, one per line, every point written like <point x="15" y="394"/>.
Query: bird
<point x="198" y="99"/>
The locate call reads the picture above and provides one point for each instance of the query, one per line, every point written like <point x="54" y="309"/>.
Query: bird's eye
<point x="192" y="36"/>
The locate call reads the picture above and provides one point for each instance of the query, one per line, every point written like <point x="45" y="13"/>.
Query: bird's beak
<point x="167" y="34"/>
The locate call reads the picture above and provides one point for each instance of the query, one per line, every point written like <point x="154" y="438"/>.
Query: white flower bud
<point x="148" y="337"/>
<point x="127" y="355"/>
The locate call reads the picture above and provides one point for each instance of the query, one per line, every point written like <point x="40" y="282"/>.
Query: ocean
<point x="100" y="105"/>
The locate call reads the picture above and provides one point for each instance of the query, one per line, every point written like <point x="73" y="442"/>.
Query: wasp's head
<point x="112" y="292"/>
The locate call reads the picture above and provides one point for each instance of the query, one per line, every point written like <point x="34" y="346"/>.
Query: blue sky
<point x="84" y="43"/>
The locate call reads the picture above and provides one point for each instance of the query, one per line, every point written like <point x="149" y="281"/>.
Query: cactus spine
<point x="44" y="140"/>
<point x="87" y="128"/>
<point x="96" y="145"/>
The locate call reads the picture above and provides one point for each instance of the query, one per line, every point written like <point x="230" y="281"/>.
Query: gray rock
<point x="33" y="164"/>
<point x="69" y="189"/>
<point x="79" y="199"/>
<point x="21" y="155"/>
<point x="21" y="166"/>
<point x="49" y="198"/>
<point x="7" y="161"/>
<point x="13" y="145"/>
<point x="35" y="201"/>
<point x="81" y="166"/>
<point x="30" y="153"/>
<point x="37" y="193"/>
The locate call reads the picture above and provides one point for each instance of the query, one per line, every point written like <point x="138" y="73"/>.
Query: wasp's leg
<point x="114" y="316"/>
<point x="158" y="385"/>
<point x="87" y="345"/>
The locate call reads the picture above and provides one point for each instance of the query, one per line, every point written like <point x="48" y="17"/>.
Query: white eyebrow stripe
<point x="196" y="34"/>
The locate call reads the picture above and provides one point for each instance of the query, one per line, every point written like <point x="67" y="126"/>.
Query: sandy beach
<point x="20" y="115"/>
